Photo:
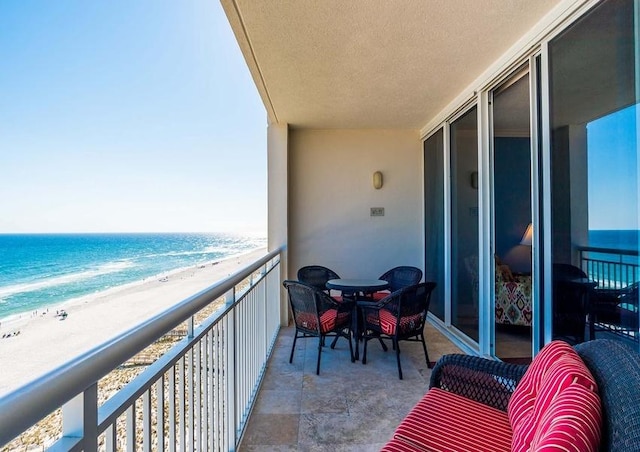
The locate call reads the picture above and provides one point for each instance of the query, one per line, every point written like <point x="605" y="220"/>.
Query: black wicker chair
<point x="316" y="314"/>
<point x="571" y="303"/>
<point x="399" y="317"/>
<point x="317" y="276"/>
<point x="615" y="311"/>
<point x="570" y="309"/>
<point x="398" y="277"/>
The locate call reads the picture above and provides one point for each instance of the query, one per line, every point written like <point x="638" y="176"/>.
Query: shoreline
<point x="45" y="341"/>
<point x="24" y="317"/>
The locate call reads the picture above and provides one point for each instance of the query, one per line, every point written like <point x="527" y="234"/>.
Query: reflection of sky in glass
<point x="613" y="170"/>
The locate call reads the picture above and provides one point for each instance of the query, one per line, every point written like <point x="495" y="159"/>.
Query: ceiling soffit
<point x="373" y="64"/>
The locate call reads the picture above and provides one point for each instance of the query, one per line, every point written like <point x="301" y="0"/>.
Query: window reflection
<point x="594" y="177"/>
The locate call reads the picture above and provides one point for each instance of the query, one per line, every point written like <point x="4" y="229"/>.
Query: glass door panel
<point x="434" y="219"/>
<point x="594" y="116"/>
<point x="512" y="217"/>
<point x="464" y="224"/>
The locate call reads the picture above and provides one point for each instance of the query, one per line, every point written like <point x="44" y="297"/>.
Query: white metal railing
<point x="197" y="396"/>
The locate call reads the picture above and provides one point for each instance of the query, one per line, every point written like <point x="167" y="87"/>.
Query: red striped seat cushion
<point x="556" y="404"/>
<point x="444" y="421"/>
<point x="388" y="322"/>
<point x="377" y="296"/>
<point x="329" y="320"/>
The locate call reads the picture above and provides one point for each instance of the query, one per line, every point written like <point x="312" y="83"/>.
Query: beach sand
<point x="45" y="342"/>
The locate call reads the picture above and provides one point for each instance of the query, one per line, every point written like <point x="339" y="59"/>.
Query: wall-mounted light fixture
<point x="377" y="180"/>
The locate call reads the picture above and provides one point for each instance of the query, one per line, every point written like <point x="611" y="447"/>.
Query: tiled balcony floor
<point x="349" y="406"/>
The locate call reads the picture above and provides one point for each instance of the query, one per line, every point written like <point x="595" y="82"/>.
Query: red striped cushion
<point x="328" y="321"/>
<point x="523" y="398"/>
<point x="556" y="400"/>
<point x="388" y="322"/>
<point x="377" y="296"/>
<point x="571" y="422"/>
<point x="443" y="421"/>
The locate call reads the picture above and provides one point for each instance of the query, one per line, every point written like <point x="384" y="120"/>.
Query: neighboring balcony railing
<point x="197" y="396"/>
<point x="611" y="268"/>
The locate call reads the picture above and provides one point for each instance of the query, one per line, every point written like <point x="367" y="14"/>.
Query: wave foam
<point x="110" y="267"/>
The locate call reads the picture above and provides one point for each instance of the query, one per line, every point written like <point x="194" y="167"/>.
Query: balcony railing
<point x="196" y="396"/>
<point x="611" y="268"/>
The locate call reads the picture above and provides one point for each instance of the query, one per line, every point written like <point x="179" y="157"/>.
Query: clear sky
<point x="613" y="170"/>
<point x="127" y="116"/>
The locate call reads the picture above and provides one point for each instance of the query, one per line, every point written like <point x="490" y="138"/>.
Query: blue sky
<point x="613" y="170"/>
<point x="127" y="116"/>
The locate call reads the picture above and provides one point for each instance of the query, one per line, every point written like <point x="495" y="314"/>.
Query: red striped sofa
<point x="475" y="404"/>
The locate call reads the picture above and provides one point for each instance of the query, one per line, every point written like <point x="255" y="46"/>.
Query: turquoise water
<point x="40" y="270"/>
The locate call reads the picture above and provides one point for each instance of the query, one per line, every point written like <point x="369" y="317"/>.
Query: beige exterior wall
<point x="331" y="193"/>
<point x="277" y="170"/>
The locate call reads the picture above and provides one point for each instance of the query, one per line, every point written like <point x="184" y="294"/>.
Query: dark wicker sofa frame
<point x="614" y="365"/>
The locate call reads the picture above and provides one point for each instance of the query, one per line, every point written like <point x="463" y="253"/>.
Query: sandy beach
<point x="39" y="342"/>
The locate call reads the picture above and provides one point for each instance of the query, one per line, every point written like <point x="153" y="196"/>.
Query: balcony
<point x="348" y="406"/>
<point x="196" y="407"/>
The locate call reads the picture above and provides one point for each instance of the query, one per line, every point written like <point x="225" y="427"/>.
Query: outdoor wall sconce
<point x="377" y="180"/>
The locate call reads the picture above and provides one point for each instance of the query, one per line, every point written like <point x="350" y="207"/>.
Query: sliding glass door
<point x="512" y="222"/>
<point x="434" y="220"/>
<point x="595" y="176"/>
<point x="464" y="224"/>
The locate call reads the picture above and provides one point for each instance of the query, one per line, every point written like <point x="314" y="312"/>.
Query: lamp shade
<point x="527" y="236"/>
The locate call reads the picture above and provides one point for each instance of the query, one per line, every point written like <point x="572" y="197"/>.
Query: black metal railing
<point x="611" y="268"/>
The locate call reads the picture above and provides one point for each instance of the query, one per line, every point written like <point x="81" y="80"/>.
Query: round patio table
<point x="350" y="288"/>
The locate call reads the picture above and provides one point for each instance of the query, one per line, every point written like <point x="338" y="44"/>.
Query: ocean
<point x="42" y="270"/>
<point x="618" y="265"/>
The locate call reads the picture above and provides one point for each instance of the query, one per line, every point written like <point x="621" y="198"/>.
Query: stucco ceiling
<point x="372" y="63"/>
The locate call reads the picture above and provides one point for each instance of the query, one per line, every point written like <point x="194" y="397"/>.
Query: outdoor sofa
<point x="580" y="398"/>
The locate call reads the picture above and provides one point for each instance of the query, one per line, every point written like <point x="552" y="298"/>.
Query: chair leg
<point x="426" y="354"/>
<point x="364" y="351"/>
<point x="295" y="338"/>
<point x="333" y="344"/>
<point x="320" y="342"/>
<point x="384" y="346"/>
<point x="397" y="347"/>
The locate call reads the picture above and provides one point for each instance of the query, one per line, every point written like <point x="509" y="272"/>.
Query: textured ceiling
<point x="373" y="63"/>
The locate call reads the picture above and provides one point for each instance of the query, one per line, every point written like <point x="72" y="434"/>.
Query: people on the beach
<point x="62" y="314"/>
<point x="7" y="335"/>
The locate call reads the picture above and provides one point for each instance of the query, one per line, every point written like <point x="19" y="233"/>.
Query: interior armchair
<point x="513" y="296"/>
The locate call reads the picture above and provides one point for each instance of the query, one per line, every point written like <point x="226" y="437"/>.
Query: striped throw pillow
<point x="556" y="405"/>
